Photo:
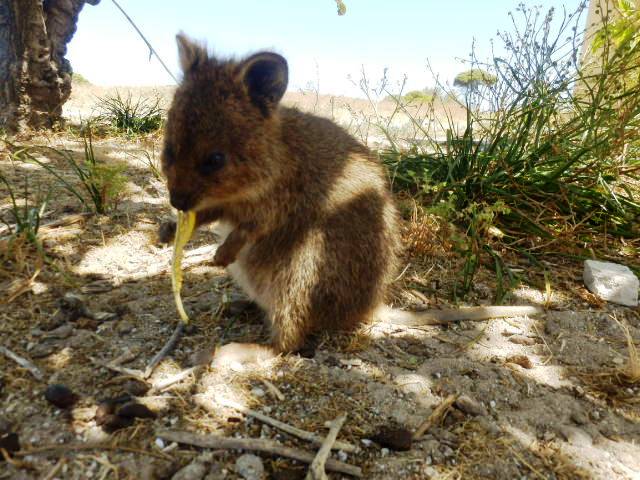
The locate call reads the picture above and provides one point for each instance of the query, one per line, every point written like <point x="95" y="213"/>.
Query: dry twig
<point x="255" y="444"/>
<point x="23" y="362"/>
<point x="435" y="416"/>
<point x="316" y="469"/>
<point x="285" y="427"/>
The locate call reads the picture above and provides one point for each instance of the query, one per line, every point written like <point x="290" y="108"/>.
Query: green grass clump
<point x="24" y="216"/>
<point x="101" y="183"/>
<point x="129" y="116"/>
<point x="545" y="155"/>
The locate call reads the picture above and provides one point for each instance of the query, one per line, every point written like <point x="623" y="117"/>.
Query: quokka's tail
<point x="442" y="317"/>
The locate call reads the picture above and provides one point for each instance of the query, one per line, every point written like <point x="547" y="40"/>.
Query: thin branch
<point x="255" y="444"/>
<point x="285" y="427"/>
<point x="151" y="49"/>
<point x="23" y="362"/>
<point x="317" y="468"/>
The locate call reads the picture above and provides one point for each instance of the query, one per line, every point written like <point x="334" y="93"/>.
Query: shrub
<point x="129" y="116"/>
<point x="540" y="163"/>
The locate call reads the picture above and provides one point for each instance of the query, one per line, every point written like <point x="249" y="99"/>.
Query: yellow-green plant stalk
<point x="185" y="224"/>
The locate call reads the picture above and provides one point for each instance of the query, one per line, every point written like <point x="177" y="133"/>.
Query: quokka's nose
<point x="181" y="201"/>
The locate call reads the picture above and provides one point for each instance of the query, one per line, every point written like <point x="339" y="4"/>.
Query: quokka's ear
<point x="266" y="76"/>
<point x="190" y="53"/>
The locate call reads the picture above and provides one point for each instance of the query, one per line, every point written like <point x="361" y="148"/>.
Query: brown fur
<point x="313" y="227"/>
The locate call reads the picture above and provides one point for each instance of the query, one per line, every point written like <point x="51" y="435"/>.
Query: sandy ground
<point x="543" y="398"/>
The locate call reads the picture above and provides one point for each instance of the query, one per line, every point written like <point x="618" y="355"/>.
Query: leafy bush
<point x="25" y="219"/>
<point x="544" y="153"/>
<point x="124" y="114"/>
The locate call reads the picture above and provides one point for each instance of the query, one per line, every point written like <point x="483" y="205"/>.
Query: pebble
<point x="159" y="443"/>
<point x="366" y="442"/>
<point x="342" y="456"/>
<point x="257" y="392"/>
<point x="470" y="406"/>
<point x="250" y="467"/>
<point x="60" y="396"/>
<point x="398" y="439"/>
<point x="194" y="471"/>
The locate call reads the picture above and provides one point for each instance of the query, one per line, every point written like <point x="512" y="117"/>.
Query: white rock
<point x="250" y="467"/>
<point x="612" y="282"/>
<point x="194" y="471"/>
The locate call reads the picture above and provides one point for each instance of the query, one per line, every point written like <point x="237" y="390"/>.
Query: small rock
<point x="430" y="472"/>
<point x="194" y="471"/>
<point x="159" y="443"/>
<point x="43" y="349"/>
<point x="612" y="282"/>
<point x="522" y="340"/>
<point x="470" y="406"/>
<point x="9" y="442"/>
<point x="257" y="392"/>
<point x="250" y="467"/>
<point x="579" y="418"/>
<point x="342" y="456"/>
<point x="521" y="360"/>
<point x="63" y="331"/>
<point x="136" y="388"/>
<point x="60" y="396"/>
<point x="398" y="439"/>
<point x="366" y="442"/>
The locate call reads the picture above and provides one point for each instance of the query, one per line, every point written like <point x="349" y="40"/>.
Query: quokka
<point x="310" y="231"/>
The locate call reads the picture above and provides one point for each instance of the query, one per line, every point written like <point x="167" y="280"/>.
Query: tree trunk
<point x="35" y="78"/>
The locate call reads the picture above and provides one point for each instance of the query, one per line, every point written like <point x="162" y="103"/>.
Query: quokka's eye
<point x="214" y="162"/>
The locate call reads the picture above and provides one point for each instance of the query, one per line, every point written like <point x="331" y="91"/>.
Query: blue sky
<point x="320" y="45"/>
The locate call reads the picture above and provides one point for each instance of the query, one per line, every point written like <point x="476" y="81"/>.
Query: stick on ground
<point x="23" y="362"/>
<point x="316" y="470"/>
<point x="435" y="416"/>
<point x="285" y="427"/>
<point x="166" y="350"/>
<point x="257" y="445"/>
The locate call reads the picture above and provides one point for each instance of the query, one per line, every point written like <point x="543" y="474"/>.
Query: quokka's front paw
<point x="167" y="232"/>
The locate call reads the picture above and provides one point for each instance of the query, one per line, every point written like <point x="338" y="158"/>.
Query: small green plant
<point x="153" y="164"/>
<point x="101" y="183"/>
<point x="129" y="116"/>
<point x="24" y="219"/>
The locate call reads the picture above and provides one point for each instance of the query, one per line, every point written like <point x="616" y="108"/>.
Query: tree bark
<point x="35" y="76"/>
